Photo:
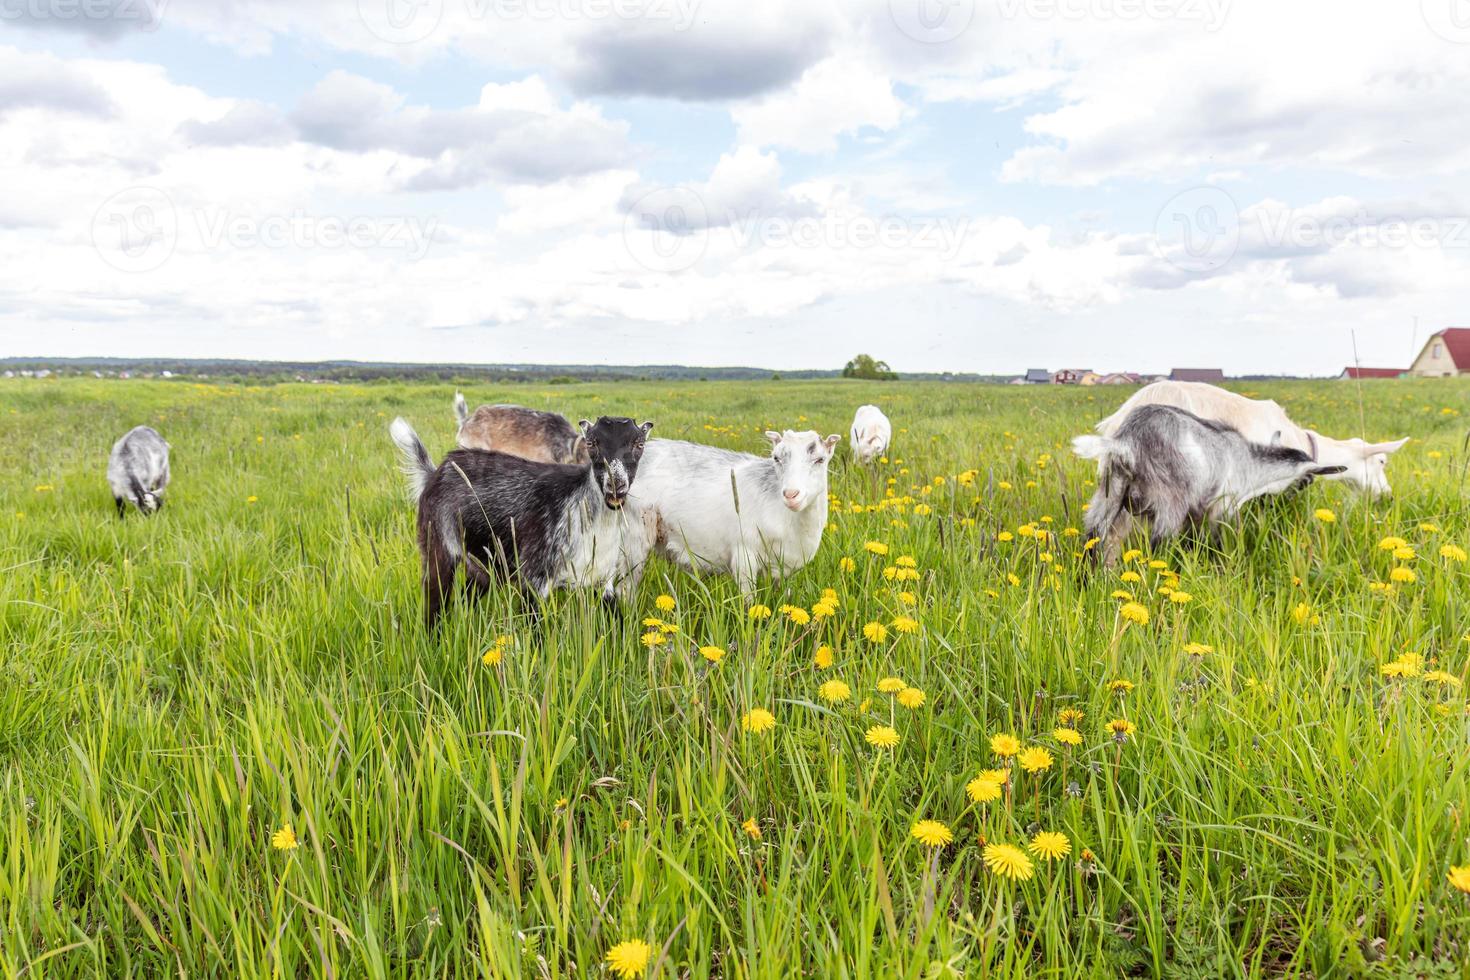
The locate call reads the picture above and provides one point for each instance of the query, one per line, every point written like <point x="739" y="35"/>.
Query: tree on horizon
<point x="865" y="367"/>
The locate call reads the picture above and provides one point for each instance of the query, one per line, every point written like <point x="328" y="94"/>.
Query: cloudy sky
<point x="978" y="185"/>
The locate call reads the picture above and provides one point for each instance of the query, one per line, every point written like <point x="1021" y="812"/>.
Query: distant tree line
<point x="865" y="367"/>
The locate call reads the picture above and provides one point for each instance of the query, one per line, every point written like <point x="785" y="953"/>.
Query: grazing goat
<point x="1363" y="464"/>
<point x="138" y="470"/>
<point x="1178" y="469"/>
<point x="545" y="437"/>
<point x="871" y="433"/>
<point x="551" y="525"/>
<point x="723" y="511"/>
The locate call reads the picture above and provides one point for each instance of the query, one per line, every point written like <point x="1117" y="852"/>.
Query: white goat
<point x="137" y="470"/>
<point x="736" y="513"/>
<point x="871" y="433"/>
<point x="1263" y="421"/>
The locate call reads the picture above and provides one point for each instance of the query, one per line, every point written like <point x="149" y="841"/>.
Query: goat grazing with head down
<point x="870" y="434"/>
<point x="1177" y="470"/>
<point x="549" y="525"/>
<point x="137" y="470"/>
<point x="737" y="513"/>
<point x="525" y="432"/>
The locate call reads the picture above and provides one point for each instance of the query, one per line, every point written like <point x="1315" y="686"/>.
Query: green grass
<point x="176" y="689"/>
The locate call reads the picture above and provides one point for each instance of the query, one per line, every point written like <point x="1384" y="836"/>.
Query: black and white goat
<point x="1180" y="470"/>
<point x="137" y="470"/>
<point x="550" y="525"/>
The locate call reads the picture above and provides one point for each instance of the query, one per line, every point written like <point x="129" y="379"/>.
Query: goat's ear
<point x="775" y="437"/>
<point x="1373" y="448"/>
<point x="1327" y="470"/>
<point x="645" y="426"/>
<point x="831" y="440"/>
<point x="1276" y="438"/>
<point x="585" y="426"/>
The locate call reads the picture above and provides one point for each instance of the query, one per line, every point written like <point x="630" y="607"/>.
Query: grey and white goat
<point x="1180" y="470"/>
<point x="137" y="470"/>
<point x="548" y="525"/>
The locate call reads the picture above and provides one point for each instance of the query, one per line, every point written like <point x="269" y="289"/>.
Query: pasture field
<point x="1289" y="798"/>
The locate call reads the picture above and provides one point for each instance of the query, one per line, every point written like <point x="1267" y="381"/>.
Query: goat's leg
<point x="477" y="578"/>
<point x="1166" y="523"/>
<point x="122" y="508"/>
<point x="438" y="579"/>
<point x="1109" y="524"/>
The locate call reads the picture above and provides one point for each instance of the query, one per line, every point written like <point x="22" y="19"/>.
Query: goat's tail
<point x="1102" y="449"/>
<point x="461" y="410"/>
<point x="413" y="457"/>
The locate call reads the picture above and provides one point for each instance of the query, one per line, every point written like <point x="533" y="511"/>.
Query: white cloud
<point x="838" y="96"/>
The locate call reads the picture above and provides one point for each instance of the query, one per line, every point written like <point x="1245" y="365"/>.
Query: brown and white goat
<point x="544" y="437"/>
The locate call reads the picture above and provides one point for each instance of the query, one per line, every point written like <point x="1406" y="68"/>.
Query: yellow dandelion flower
<point x="1180" y="597"/>
<point x="664" y="603"/>
<point x="824" y="610"/>
<point x="891" y="685"/>
<point x="1460" y="878"/>
<point x="1404" y="553"/>
<point x="798" y="615"/>
<point x="1123" y="594"/>
<point x="1005" y="536"/>
<point x="1121" y="729"/>
<point x="1442" y="677"/>
<point x="1049" y="845"/>
<point x="285" y="839"/>
<point x="1071" y="717"/>
<point x="875" y="632"/>
<point x="492" y="656"/>
<point x="982" y="789"/>
<point x="847" y="564"/>
<point x="876" y="547"/>
<point x="1132" y="554"/>
<point x="1130" y="576"/>
<point x="834" y="691"/>
<point x="1035" y="759"/>
<point x="1390" y="543"/>
<point x="1008" y="861"/>
<point x="760" y="612"/>
<point x="931" y="833"/>
<point x="751" y="828"/>
<point x="1404" y="575"/>
<point x="1198" y="649"/>
<point x="653" y="638"/>
<point x="911" y="697"/>
<point x="823" y="657"/>
<point x="758" y="720"/>
<point x="1067" y="736"/>
<point x="1134" y="612"/>
<point x="713" y="654"/>
<point x="1325" y="516"/>
<point x="906" y="561"/>
<point x="1120" y="686"/>
<point x="1452" y="552"/>
<point x="1004" y="745"/>
<point x="905" y="624"/>
<point x="881" y="736"/>
<point x="629" y="958"/>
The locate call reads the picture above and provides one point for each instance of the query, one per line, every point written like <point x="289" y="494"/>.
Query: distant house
<point x="1207" y="375"/>
<point x="1359" y="373"/>
<point x="1119" y="378"/>
<point x="1038" y="376"/>
<point x="1445" y="355"/>
<point x="1070" y="376"/>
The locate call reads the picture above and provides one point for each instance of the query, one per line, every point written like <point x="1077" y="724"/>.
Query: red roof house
<point x="1445" y="354"/>
<point x="1359" y="373"/>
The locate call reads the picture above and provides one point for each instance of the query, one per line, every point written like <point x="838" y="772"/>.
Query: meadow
<point x="230" y="748"/>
